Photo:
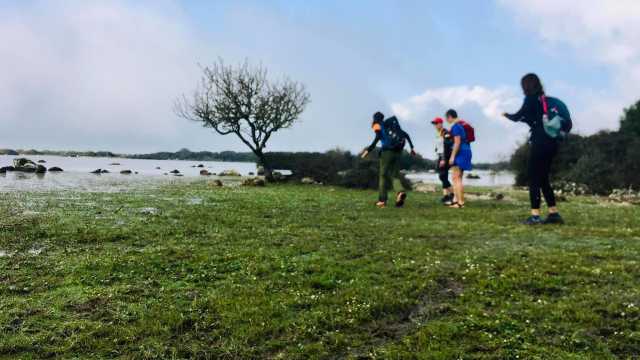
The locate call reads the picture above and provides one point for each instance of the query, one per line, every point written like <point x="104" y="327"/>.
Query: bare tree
<point x="241" y="100"/>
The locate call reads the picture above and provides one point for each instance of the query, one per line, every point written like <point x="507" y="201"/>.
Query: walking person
<point x="460" y="159"/>
<point x="393" y="140"/>
<point x="543" y="150"/>
<point x="444" y="146"/>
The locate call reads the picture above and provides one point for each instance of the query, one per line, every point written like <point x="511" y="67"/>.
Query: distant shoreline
<point x="183" y="154"/>
<point x="188" y="155"/>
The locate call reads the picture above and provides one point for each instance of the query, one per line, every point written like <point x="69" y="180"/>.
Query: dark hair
<point x="451" y="113"/>
<point x="378" y="117"/>
<point x="531" y="85"/>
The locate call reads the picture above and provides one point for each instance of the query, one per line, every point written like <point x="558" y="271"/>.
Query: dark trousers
<point x="443" y="174"/>
<point x="389" y="178"/>
<point x="540" y="160"/>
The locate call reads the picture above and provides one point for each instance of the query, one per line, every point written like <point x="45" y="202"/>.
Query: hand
<point x="364" y="154"/>
<point x="413" y="152"/>
<point x="442" y="163"/>
<point x="452" y="161"/>
<point x="505" y="114"/>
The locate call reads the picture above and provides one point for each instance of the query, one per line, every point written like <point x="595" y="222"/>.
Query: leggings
<point x="444" y="176"/>
<point x="540" y="160"/>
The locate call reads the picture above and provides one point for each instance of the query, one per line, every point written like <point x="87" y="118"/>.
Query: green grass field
<point x="295" y="272"/>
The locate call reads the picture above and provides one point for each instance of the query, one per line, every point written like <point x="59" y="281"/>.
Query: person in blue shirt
<point x="460" y="160"/>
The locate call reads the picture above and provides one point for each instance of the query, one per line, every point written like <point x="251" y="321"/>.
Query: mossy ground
<point x="291" y="272"/>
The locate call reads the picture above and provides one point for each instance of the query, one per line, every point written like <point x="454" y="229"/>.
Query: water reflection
<point x="487" y="178"/>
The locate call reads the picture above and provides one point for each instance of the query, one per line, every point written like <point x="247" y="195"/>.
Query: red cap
<point x="437" y="121"/>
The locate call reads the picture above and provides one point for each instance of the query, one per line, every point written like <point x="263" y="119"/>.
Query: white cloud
<point x="497" y="137"/>
<point x="91" y="69"/>
<point x="492" y="102"/>
<point x="599" y="31"/>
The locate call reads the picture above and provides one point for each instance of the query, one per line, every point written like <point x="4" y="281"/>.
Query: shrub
<point x="338" y="167"/>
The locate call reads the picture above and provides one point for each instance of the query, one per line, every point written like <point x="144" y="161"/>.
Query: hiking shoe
<point x="381" y="204"/>
<point x="400" y="198"/>
<point x="447" y="199"/>
<point x="533" y="220"/>
<point x="554" y="218"/>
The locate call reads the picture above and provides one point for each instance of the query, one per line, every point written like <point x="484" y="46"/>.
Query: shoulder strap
<point x="545" y="106"/>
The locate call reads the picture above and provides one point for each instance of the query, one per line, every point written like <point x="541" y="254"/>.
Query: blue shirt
<point x="458" y="130"/>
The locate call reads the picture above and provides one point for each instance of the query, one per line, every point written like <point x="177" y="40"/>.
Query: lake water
<point x="76" y="175"/>
<point x="487" y="178"/>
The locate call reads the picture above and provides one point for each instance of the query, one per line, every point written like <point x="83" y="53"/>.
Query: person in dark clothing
<point x="543" y="151"/>
<point x="389" y="175"/>
<point x="444" y="147"/>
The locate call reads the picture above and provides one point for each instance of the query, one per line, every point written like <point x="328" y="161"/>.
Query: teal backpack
<point x="556" y="120"/>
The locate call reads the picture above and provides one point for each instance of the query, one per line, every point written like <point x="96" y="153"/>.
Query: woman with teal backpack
<point x="549" y="120"/>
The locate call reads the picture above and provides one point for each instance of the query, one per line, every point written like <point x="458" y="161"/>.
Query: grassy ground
<point x="312" y="272"/>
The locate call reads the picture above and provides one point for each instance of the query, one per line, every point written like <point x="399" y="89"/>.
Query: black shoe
<point x="554" y="218"/>
<point x="447" y="200"/>
<point x="400" y="198"/>
<point x="532" y="220"/>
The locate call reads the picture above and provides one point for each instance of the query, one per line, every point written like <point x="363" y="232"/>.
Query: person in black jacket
<point x="543" y="150"/>
<point x="444" y="147"/>
<point x="390" y="155"/>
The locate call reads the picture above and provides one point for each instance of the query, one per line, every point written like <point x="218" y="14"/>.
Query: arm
<point x="521" y="115"/>
<point x="375" y="142"/>
<point x="406" y="136"/>
<point x="371" y="147"/>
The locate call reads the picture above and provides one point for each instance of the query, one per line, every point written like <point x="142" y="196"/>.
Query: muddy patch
<point x="433" y="303"/>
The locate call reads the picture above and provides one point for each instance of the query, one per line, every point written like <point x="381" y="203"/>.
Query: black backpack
<point x="393" y="137"/>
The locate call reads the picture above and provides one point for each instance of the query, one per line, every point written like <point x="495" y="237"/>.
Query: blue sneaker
<point x="533" y="220"/>
<point x="553" y="219"/>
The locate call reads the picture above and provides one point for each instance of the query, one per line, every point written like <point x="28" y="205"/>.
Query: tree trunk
<point x="262" y="160"/>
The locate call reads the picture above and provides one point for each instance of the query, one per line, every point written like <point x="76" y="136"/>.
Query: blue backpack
<point x="393" y="137"/>
<point x="556" y="120"/>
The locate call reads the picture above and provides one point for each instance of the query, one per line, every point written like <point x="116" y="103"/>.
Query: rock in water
<point x="204" y="172"/>
<point x="200" y="165"/>
<point x="97" y="171"/>
<point x="7" y="169"/>
<point x="229" y="173"/>
<point x="24" y="165"/>
<point x="126" y="172"/>
<point x="105" y="171"/>
<point x="42" y="161"/>
<point x="41" y="169"/>
<point x="55" y="169"/>
<point x="174" y="172"/>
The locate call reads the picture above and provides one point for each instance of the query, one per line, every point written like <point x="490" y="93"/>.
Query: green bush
<point x="337" y="167"/>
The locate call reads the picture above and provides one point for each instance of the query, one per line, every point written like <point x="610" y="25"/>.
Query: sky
<point x="104" y="75"/>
